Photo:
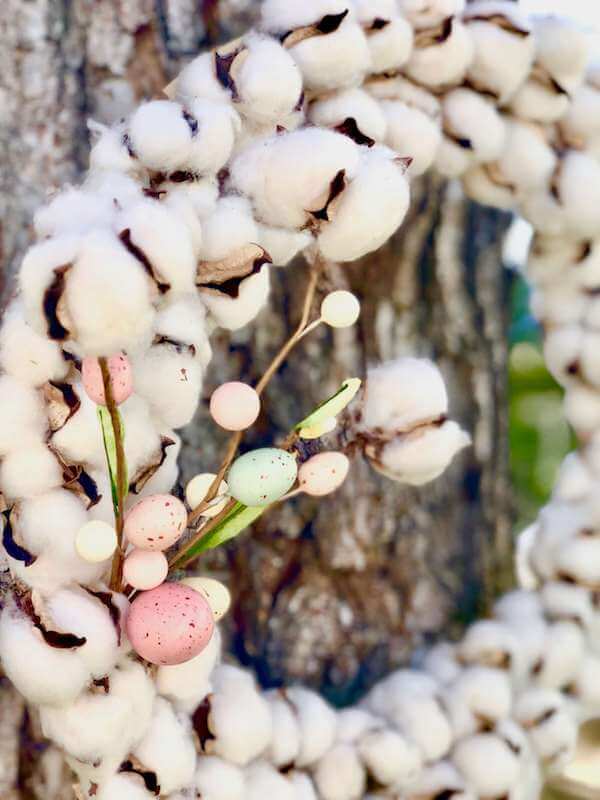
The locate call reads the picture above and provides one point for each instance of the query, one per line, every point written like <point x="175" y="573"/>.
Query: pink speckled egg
<point x="156" y="522"/>
<point x="121" y="378"/>
<point x="145" y="569"/>
<point x="323" y="473"/>
<point x="234" y="406"/>
<point x="170" y="624"/>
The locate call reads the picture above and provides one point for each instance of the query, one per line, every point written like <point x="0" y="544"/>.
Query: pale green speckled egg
<point x="262" y="476"/>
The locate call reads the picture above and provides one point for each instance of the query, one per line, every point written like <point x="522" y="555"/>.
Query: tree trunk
<point x="332" y="593"/>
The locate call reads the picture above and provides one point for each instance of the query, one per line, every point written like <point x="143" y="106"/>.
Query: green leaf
<point x="110" y="448"/>
<point x="333" y="405"/>
<point x="234" y="523"/>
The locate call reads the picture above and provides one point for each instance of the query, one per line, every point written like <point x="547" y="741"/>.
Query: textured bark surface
<point x="332" y="593"/>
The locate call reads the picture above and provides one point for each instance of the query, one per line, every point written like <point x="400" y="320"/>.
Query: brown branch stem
<point x="116" y="576"/>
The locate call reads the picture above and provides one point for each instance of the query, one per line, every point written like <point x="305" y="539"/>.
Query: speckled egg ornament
<point x="262" y="476"/>
<point x="323" y="474"/>
<point x="170" y="624"/>
<point x="121" y="378"/>
<point x="156" y="522"/>
<point x="145" y="569"/>
<point x="234" y="406"/>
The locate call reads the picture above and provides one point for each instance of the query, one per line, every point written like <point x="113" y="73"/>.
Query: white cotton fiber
<point x="317" y="723"/>
<point x="42" y="674"/>
<point x="581" y="124"/>
<point x="109" y="149"/>
<point x="188" y="684"/>
<point x="412" y="132"/>
<point x="29" y="470"/>
<point x="183" y="321"/>
<point x="262" y="780"/>
<point x="282" y="244"/>
<point x="390" y="757"/>
<point x="285" y="741"/>
<point x="30" y="358"/>
<point x="199" y="80"/>
<point x="579" y="193"/>
<point x="73" y="211"/>
<point x="22" y="415"/>
<point x="486" y="185"/>
<point x="163" y="239"/>
<point x="561" y="49"/>
<point x="428" y="13"/>
<point x="340" y="774"/>
<point x="527" y="160"/>
<point x="444" y="62"/>
<point x="212" y="144"/>
<point x="168" y="748"/>
<point x="235" y="312"/>
<point x="356" y="104"/>
<point x="159" y="134"/>
<point x="179" y="202"/>
<point x="218" y="780"/>
<point x="369" y="210"/>
<point x="537" y="102"/>
<point x="109" y="297"/>
<point x="281" y="16"/>
<point x="230" y="226"/>
<point x="474" y="120"/>
<point x="288" y="176"/>
<point x="123" y="786"/>
<point x="390" y="47"/>
<point x="474" y="756"/>
<point x="268" y="81"/>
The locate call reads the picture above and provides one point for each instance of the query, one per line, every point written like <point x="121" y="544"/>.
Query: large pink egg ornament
<point x="170" y="624"/>
<point x="121" y="378"/>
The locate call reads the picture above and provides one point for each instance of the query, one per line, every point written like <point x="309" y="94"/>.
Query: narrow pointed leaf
<point x="110" y="448"/>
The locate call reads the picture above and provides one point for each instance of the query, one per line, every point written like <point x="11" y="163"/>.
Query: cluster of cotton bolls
<point x="301" y="136"/>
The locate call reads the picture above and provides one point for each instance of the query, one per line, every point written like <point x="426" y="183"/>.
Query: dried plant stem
<point x="234" y="442"/>
<point x="116" y="576"/>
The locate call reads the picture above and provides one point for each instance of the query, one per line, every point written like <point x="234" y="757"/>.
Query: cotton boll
<point x="112" y="186"/>
<point x="160" y="135"/>
<point x="73" y="211"/>
<point x="489" y="643"/>
<point x="170" y="381"/>
<point x="562" y="347"/>
<point x="558" y="524"/>
<point x="202" y="194"/>
<point x="579" y="193"/>
<point x="340" y="775"/>
<point x="213" y="142"/>
<point x="423" y="455"/>
<point x="390" y="758"/>
<point x="24" y="354"/>
<point x="42" y="674"/>
<point x="131" y="682"/>
<point x="473" y="124"/>
<point x="333" y="110"/>
<point x="391" y="45"/>
<point x="582" y="409"/>
<point x="440" y="662"/>
<point x="427" y="13"/>
<point x="268" y="82"/>
<point x="587" y="688"/>
<point x="235" y="312"/>
<point x="183" y="323"/>
<point x="199" y="80"/>
<point x="262" y="780"/>
<point x="168" y="748"/>
<point x="442" y="55"/>
<point x="123" y="787"/>
<point x="370" y="209"/>
<point x="409" y="699"/>
<point x="240" y="720"/>
<point x="412" y="132"/>
<point x="285" y="741"/>
<point x="21" y="415"/>
<point x="280" y="16"/>
<point x="317" y="723"/>
<point x="479" y="695"/>
<point x="579" y="559"/>
<point x="304" y="788"/>
<point x="567" y="601"/>
<point x="282" y="244"/>
<point x="529" y="629"/>
<point x="561" y="50"/>
<point x="152" y="228"/>
<point x="29" y="471"/>
<point x="230" y="226"/>
<point x="335" y="60"/>
<point x="187" y="684"/>
<point x="310" y="159"/>
<point x="580" y="126"/>
<point x="402" y="394"/>
<point x="563" y="651"/>
<point x="44" y="268"/>
<point x="164" y="479"/>
<point x="563" y="304"/>
<point x="539" y="102"/>
<point x="108" y="296"/>
<point x="518" y="605"/>
<point x="527" y="161"/>
<point x="355" y="722"/>
<point x="452" y="160"/>
<point x="574" y="480"/>
<point x="80" y="438"/>
<point x="486" y="185"/>
<point x="551" y="728"/>
<point x="78" y="612"/>
<point x="473" y="757"/>
<point x="109" y="151"/>
<point x="179" y="202"/>
<point x="217" y="780"/>
<point x="504" y="47"/>
<point x="440" y="778"/>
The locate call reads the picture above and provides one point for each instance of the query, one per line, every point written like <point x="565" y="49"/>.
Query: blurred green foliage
<point x="539" y="434"/>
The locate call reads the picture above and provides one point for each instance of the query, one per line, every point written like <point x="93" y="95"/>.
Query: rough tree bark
<point x="334" y="593"/>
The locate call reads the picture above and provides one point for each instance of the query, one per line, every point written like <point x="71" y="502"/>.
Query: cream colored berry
<point x="217" y="594"/>
<point x="340" y="309"/>
<point x="96" y="541"/>
<point x="197" y="489"/>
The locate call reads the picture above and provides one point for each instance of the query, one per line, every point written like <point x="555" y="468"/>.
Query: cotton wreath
<point x="301" y="137"/>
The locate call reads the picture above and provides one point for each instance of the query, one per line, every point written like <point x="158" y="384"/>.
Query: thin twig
<point x="116" y="576"/>
<point x="234" y="441"/>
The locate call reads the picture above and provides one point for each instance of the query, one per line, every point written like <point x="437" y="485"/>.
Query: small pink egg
<point x="121" y="378"/>
<point x="323" y="473"/>
<point x="145" y="569"/>
<point x="156" y="522"/>
<point x="170" y="624"/>
<point x="234" y="406"/>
